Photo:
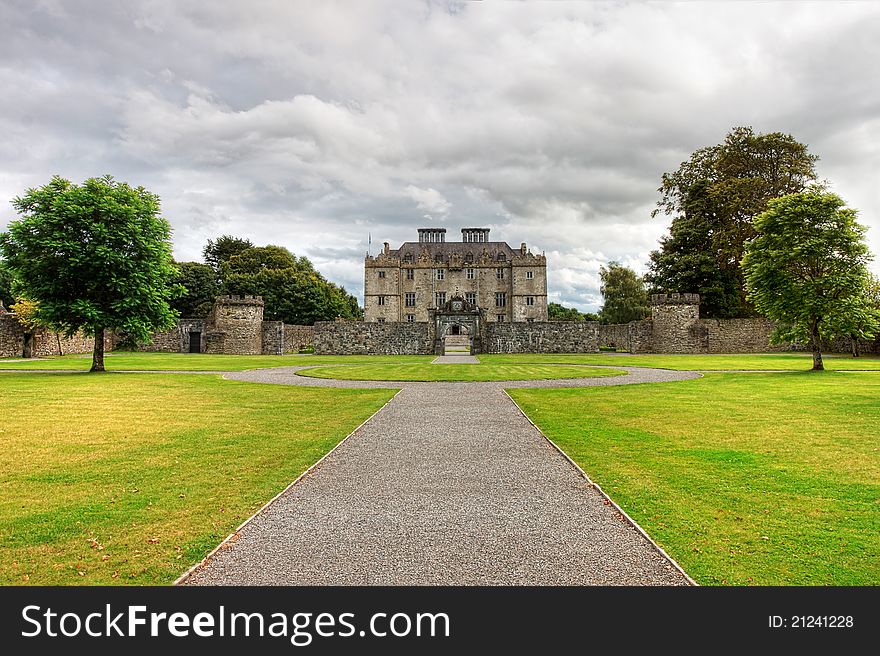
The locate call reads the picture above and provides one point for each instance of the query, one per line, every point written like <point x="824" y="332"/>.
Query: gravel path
<point x="449" y="484"/>
<point x="289" y="376"/>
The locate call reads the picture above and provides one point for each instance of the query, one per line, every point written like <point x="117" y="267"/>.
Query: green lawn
<point x="120" y="361"/>
<point x="130" y="479"/>
<point x="457" y="372"/>
<point x="755" y="361"/>
<point x="765" y="479"/>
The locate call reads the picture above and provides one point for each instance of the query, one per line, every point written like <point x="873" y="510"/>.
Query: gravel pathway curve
<point x="289" y="376"/>
<point x="448" y="484"/>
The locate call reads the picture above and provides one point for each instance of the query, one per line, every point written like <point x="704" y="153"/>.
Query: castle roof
<point x="445" y="250"/>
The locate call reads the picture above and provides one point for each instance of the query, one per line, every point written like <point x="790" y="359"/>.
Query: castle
<point x="406" y="284"/>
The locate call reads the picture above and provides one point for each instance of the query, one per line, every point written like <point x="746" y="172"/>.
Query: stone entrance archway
<point x="458" y="326"/>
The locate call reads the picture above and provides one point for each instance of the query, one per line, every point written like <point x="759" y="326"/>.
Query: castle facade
<point x="405" y="284"/>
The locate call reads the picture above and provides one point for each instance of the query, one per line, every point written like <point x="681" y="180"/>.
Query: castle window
<point x="471" y="297"/>
<point x="530" y="300"/>
<point x="439" y="299"/>
<point x="502" y="257"/>
<point x="470" y="274"/>
<point x="381" y="300"/>
<point x="439" y="274"/>
<point x="499" y="318"/>
<point x="381" y="319"/>
<point x="410" y="318"/>
<point x="530" y="275"/>
<point x="410" y="299"/>
<point x="500" y="299"/>
<point x="408" y="257"/>
<point x="381" y="274"/>
<point x="530" y="320"/>
<point x="410" y="274"/>
<point x="499" y="273"/>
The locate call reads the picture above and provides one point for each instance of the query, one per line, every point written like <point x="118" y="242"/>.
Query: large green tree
<point x="626" y="298"/>
<point x="713" y="198"/>
<point x="199" y="282"/>
<point x="93" y="257"/>
<point x="292" y="289"/>
<point x="7" y="297"/>
<point x="807" y="270"/>
<point x="217" y="251"/>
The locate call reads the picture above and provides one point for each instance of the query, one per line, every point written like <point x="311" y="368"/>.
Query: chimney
<point x="385" y="247"/>
<point x="523" y="249"/>
<point x="474" y="235"/>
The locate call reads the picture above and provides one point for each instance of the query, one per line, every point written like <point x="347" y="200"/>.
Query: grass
<point x="136" y="361"/>
<point x="765" y="479"/>
<point x="456" y="372"/>
<point x="130" y="479"/>
<point x="723" y="362"/>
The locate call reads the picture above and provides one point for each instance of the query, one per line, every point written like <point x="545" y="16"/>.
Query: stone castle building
<point x="406" y="284"/>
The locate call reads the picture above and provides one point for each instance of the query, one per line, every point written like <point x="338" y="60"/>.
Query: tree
<point x="7" y="297"/>
<point x="218" y="251"/>
<point x="199" y="282"/>
<point x="557" y="312"/>
<point x="806" y="269"/>
<point x="94" y="257"/>
<point x="292" y="289"/>
<point x="713" y="198"/>
<point x="26" y="315"/>
<point x="625" y="296"/>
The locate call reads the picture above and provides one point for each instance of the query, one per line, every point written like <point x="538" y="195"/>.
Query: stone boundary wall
<point x="615" y="335"/>
<point x="373" y="338"/>
<point x="296" y="338"/>
<point x="542" y="337"/>
<point x="273" y="338"/>
<point x="46" y="342"/>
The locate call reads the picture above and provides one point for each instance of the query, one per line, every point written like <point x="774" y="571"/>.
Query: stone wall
<point x="11" y="337"/>
<point x="740" y="335"/>
<point x="296" y="338"/>
<point x="635" y="337"/>
<point x="615" y="335"/>
<point x="542" y="337"/>
<point x="273" y="338"/>
<point x="45" y="341"/>
<point x="372" y="338"/>
<point x="176" y="340"/>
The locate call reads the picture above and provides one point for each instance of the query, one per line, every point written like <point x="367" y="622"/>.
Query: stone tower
<point x="677" y="327"/>
<point x="235" y="325"/>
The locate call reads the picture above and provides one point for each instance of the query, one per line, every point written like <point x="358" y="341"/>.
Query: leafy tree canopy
<point x="292" y="289"/>
<point x="217" y="251"/>
<point x="199" y="282"/>
<point x="6" y="294"/>
<point x="625" y="296"/>
<point x="94" y="256"/>
<point x="558" y="312"/>
<point x="713" y="198"/>
<point x="807" y="270"/>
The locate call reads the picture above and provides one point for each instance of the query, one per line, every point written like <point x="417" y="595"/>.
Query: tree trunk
<point x="98" y="355"/>
<point x="28" y="347"/>
<point x="855" y="346"/>
<point x="817" y="347"/>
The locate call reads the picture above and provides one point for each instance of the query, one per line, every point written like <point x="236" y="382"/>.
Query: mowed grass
<point x="457" y="372"/>
<point x="745" y="479"/>
<point x="132" y="478"/>
<point x="130" y="361"/>
<point x="723" y="362"/>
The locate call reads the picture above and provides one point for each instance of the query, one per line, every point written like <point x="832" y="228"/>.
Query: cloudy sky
<point x="314" y="124"/>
